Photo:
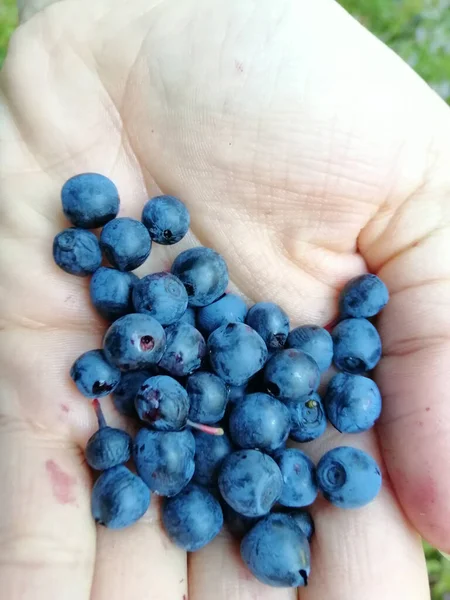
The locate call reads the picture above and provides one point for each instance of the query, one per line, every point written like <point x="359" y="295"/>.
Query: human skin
<point x="307" y="153"/>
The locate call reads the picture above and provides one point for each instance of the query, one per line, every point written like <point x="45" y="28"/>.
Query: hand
<point x="307" y="153"/>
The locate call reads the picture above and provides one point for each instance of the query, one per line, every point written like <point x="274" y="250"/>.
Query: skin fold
<point x="306" y="153"/>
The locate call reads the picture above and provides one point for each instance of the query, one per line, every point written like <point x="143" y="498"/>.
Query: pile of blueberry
<point x="218" y="388"/>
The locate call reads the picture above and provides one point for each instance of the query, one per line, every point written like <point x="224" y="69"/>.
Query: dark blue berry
<point x="164" y="460"/>
<point x="299" y="478"/>
<point x="119" y="498"/>
<point x="166" y="218"/>
<point x="125" y="393"/>
<point x="259" y="421"/>
<point x="189" y="316"/>
<point x="93" y="375"/>
<point x="271" y="322"/>
<point x="90" y="200"/>
<point x="185" y="349"/>
<point x="277" y="552"/>
<point x="228" y="309"/>
<point x="161" y="295"/>
<point x="236" y="393"/>
<point x="192" y="518"/>
<point x="210" y="451"/>
<point x="162" y="403"/>
<point x="108" y="446"/>
<point x="348" y="477"/>
<point x="304" y="521"/>
<point x="308" y="419"/>
<point x="126" y="243"/>
<point x="363" y="296"/>
<point x="134" y="342"/>
<point x="204" y="274"/>
<point x="315" y="341"/>
<point x="291" y="374"/>
<point x="76" y="251"/>
<point x="236" y="352"/>
<point x="110" y="292"/>
<point x="250" y="482"/>
<point x="352" y="402"/>
<point x="357" y="346"/>
<point x="237" y="524"/>
<point x="208" y="397"/>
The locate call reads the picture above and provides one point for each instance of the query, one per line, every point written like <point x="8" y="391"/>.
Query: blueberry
<point x="236" y="393"/>
<point x="93" y="375"/>
<point x="299" y="478"/>
<point x="110" y="292"/>
<point x="315" y="341"/>
<point x="228" y="309"/>
<point x="161" y="295"/>
<point x="126" y="243"/>
<point x="271" y="322"/>
<point x="185" y="349"/>
<point x="164" y="460"/>
<point x="193" y="518"/>
<point x="76" y="251"/>
<point x="237" y="524"/>
<point x="108" y="446"/>
<point x="250" y="482"/>
<point x="291" y="374"/>
<point x="119" y="498"/>
<point x="348" y="477"/>
<point x="204" y="274"/>
<point x="208" y="397"/>
<point x="90" y="200"/>
<point x="259" y="421"/>
<point x="236" y="352"/>
<point x="125" y="393"/>
<point x="363" y="296"/>
<point x="308" y="419"/>
<point x="166" y="218"/>
<point x="134" y="342"/>
<point x="352" y="402"/>
<point x="357" y="346"/>
<point x="304" y="521"/>
<point x="210" y="451"/>
<point x="162" y="403"/>
<point x="277" y="552"/>
<point x="189" y="316"/>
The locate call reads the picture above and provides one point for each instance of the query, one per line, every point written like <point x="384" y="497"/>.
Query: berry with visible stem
<point x="90" y="200"/>
<point x="185" y="349"/>
<point x="352" y="402"/>
<point x="277" y="552"/>
<point x="110" y="291"/>
<point x="166" y="218"/>
<point x="94" y="375"/>
<point x="125" y="243"/>
<point x="210" y="452"/>
<point x="308" y="418"/>
<point x="108" y="446"/>
<point x="315" y="341"/>
<point x="119" y="498"/>
<point x="162" y="296"/>
<point x="348" y="477"/>
<point x="134" y="342"/>
<point x="125" y="393"/>
<point x="271" y="322"/>
<point x="164" y="460"/>
<point x="299" y="478"/>
<point x="192" y="518"/>
<point x="357" y="346"/>
<point x="259" y="421"/>
<point x="208" y="397"/>
<point x="76" y="251"/>
<point x="204" y="274"/>
<point x="228" y="309"/>
<point x="363" y="296"/>
<point x="236" y="352"/>
<point x="291" y="374"/>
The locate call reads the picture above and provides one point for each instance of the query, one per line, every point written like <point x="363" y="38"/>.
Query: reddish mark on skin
<point x="424" y="494"/>
<point x="65" y="408"/>
<point x="239" y="66"/>
<point x="428" y="409"/>
<point x="62" y="483"/>
<point x="331" y="325"/>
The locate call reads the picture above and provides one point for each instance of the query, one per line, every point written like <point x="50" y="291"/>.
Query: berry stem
<point x="205" y="428"/>
<point x="99" y="413"/>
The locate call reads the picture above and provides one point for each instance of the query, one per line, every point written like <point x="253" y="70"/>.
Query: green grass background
<point x="418" y="30"/>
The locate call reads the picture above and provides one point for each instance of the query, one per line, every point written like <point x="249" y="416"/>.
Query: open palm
<point x="306" y="153"/>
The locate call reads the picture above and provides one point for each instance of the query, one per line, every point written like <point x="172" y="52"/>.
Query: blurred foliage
<point x="419" y="31"/>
